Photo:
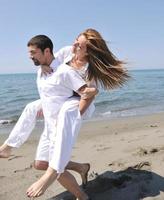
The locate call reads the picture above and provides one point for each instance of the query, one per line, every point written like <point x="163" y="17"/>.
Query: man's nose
<point x="31" y="56"/>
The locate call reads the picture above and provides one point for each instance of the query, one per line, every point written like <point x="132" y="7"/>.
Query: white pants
<point x="55" y="150"/>
<point x="24" y="125"/>
<point x="57" y="147"/>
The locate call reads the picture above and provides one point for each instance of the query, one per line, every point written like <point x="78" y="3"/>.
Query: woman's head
<point x="104" y="67"/>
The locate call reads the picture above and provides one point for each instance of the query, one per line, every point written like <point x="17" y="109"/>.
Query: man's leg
<point x="80" y="168"/>
<point x="44" y="151"/>
<point x="68" y="127"/>
<point x="66" y="179"/>
<point x="22" y="129"/>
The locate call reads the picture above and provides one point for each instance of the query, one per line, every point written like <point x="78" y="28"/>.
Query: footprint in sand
<point x="23" y="170"/>
<point x="14" y="157"/>
<point x="103" y="148"/>
<point x="143" y="151"/>
<point x="116" y="164"/>
<point x="153" y="126"/>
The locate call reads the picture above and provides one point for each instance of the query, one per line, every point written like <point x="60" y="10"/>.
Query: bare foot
<point x="84" y="174"/>
<point x="39" y="187"/>
<point x="5" y="151"/>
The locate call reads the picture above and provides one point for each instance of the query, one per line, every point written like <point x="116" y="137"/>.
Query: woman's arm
<point x="60" y="55"/>
<point x="89" y="92"/>
<point x="87" y="96"/>
<point x="84" y="104"/>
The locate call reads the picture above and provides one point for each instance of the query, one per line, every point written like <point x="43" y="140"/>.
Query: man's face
<point x="36" y="55"/>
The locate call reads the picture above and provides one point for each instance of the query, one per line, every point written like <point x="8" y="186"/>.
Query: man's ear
<point x="47" y="50"/>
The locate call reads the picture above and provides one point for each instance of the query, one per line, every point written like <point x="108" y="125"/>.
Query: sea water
<point x="143" y="94"/>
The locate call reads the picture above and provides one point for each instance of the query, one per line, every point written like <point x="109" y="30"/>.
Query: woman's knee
<point x="33" y="106"/>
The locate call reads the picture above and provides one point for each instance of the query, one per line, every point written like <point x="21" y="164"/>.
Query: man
<point x="40" y="56"/>
<point x="55" y="146"/>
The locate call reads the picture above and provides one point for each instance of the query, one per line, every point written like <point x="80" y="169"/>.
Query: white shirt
<point x="64" y="55"/>
<point x="54" y="89"/>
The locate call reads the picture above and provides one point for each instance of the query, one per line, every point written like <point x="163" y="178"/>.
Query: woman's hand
<point x="40" y="113"/>
<point x="46" y="69"/>
<point x="88" y="93"/>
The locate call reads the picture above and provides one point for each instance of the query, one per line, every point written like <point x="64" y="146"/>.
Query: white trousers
<point x="24" y="125"/>
<point x="55" y="149"/>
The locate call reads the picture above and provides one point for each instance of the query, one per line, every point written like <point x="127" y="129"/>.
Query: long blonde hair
<point x="104" y="67"/>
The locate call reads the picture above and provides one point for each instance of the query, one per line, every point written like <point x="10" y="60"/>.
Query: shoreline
<point x="112" y="147"/>
<point x="6" y="128"/>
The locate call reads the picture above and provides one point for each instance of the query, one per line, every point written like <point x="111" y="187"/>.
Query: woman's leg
<point x="22" y="129"/>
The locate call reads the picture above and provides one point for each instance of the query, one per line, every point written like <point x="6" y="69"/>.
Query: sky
<point x="134" y="30"/>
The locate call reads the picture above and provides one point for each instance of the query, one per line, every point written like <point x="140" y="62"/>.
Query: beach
<point x="126" y="157"/>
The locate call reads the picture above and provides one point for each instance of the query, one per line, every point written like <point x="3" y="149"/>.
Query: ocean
<point x="143" y="94"/>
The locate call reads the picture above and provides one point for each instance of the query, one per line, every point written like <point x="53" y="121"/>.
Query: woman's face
<point x="79" y="47"/>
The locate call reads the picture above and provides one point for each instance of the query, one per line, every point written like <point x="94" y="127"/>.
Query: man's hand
<point x="46" y="69"/>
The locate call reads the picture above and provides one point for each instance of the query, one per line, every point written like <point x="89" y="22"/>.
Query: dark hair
<point x="42" y="42"/>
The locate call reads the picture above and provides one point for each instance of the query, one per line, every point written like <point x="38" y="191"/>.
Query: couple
<point x="86" y="64"/>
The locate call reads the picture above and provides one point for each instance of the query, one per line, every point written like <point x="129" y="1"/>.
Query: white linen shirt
<point x="64" y="55"/>
<point x="54" y="89"/>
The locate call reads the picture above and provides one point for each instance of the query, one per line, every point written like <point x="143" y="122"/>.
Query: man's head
<point x="40" y="49"/>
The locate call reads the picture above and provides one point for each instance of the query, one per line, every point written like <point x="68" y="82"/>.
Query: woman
<point x="103" y="69"/>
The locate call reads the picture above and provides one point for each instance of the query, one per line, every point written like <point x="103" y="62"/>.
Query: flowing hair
<point x="104" y="67"/>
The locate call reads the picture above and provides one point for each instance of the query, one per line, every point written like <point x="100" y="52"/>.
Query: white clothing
<point x="26" y="122"/>
<point x="24" y="125"/>
<point x="68" y="121"/>
<point x="67" y="128"/>
<point x="65" y="54"/>
<point x="54" y="90"/>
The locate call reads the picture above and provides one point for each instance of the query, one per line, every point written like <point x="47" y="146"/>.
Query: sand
<point x="126" y="156"/>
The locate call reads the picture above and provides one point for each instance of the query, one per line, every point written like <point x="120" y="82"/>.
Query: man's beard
<point x="36" y="62"/>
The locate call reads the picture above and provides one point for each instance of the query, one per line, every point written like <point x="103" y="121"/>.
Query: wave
<point x="7" y="121"/>
<point x="106" y="113"/>
<point x="107" y="102"/>
<point x="19" y="99"/>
